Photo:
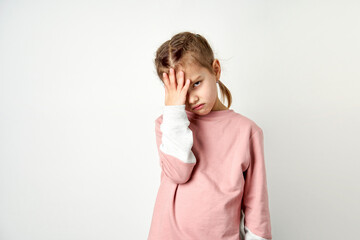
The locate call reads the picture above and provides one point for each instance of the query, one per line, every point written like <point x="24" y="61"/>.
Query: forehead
<point x="191" y="70"/>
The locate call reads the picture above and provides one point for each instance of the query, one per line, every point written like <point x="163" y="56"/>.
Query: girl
<point x="213" y="180"/>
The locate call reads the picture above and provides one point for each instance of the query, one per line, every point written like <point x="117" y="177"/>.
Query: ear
<point x="216" y="68"/>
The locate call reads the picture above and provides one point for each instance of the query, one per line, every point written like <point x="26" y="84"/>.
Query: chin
<point x="202" y="112"/>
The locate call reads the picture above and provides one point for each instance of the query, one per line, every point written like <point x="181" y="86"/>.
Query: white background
<point x="79" y="96"/>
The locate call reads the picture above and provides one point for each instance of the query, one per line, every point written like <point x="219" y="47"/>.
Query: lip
<point x="199" y="106"/>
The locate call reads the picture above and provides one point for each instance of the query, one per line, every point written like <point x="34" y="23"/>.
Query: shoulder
<point x="158" y="121"/>
<point x="247" y="123"/>
<point x="159" y="118"/>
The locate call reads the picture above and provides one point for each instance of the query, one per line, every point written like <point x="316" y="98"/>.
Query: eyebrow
<point x="196" y="79"/>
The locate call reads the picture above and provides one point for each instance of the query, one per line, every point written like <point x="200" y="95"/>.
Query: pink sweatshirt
<point x="213" y="179"/>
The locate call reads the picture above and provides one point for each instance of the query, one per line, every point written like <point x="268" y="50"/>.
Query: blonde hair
<point x="171" y="52"/>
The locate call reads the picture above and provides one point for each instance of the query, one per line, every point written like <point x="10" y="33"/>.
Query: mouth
<point x="199" y="106"/>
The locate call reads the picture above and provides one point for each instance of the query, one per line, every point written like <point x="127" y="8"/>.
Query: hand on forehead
<point x="190" y="72"/>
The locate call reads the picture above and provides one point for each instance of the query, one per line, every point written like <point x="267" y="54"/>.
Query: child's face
<point x="202" y="89"/>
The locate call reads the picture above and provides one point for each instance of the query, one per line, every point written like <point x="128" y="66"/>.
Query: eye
<point x="196" y="83"/>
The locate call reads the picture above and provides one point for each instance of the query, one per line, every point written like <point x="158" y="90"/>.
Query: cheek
<point x="211" y="93"/>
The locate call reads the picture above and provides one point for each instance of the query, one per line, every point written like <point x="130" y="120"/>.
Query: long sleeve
<point x="257" y="225"/>
<point x="174" y="141"/>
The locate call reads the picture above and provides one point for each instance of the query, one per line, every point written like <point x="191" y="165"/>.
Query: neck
<point x="218" y="106"/>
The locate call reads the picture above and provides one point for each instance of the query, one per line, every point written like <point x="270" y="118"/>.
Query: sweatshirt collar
<point x="211" y="115"/>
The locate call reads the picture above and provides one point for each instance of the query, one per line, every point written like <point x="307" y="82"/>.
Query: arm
<point x="257" y="224"/>
<point x="174" y="141"/>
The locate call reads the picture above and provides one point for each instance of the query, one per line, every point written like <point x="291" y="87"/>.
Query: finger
<point x="184" y="92"/>
<point x="166" y="91"/>
<point x="186" y="86"/>
<point x="172" y="78"/>
<point x="166" y="80"/>
<point x="180" y="81"/>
